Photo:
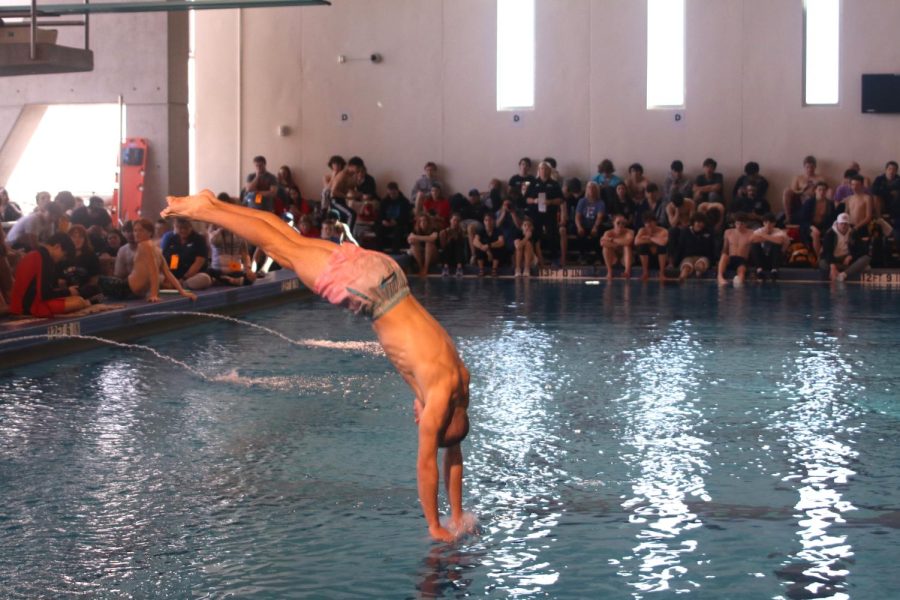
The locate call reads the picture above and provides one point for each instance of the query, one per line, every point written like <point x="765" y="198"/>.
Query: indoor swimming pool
<point x="627" y="441"/>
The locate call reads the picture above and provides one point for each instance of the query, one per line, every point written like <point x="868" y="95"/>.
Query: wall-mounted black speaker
<point x="881" y="93"/>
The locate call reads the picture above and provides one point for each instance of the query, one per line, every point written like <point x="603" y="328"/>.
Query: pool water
<point x="628" y="441"/>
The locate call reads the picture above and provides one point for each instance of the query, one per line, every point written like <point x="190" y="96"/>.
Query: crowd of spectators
<point x="683" y="227"/>
<point x="66" y="253"/>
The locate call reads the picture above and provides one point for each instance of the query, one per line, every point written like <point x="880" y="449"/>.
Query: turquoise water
<point x="630" y="441"/>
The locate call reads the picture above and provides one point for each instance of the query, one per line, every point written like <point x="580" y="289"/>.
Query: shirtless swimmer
<point x="420" y="349"/>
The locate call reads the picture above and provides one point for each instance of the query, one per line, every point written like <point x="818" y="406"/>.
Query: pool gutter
<point x="46" y="338"/>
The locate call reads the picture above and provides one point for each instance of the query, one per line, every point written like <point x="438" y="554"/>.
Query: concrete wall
<point x="142" y="57"/>
<point x="433" y="97"/>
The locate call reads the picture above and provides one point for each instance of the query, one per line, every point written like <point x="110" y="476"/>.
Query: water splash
<point x="373" y="348"/>
<point x="275" y="383"/>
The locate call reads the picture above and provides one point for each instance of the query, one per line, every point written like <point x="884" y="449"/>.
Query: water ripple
<point x="822" y="455"/>
<point x="518" y="454"/>
<point x="668" y="460"/>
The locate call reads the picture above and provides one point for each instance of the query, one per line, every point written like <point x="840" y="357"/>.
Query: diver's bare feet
<point x="191" y="207"/>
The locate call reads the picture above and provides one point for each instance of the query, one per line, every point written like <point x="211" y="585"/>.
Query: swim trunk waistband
<point x="364" y="281"/>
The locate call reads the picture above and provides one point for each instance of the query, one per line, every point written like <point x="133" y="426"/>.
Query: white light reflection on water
<point x="518" y="464"/>
<point x="669" y="460"/>
<point x="115" y="416"/>
<point x="814" y="430"/>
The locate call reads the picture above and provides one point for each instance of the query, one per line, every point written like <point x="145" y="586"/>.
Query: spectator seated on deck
<point x="149" y="272"/>
<point x="35" y="289"/>
<point x="186" y="254"/>
<point x="81" y="270"/>
<point x="454" y="243"/>
<point x="843" y="253"/>
<point x="423" y="243"/>
<point x="767" y="248"/>
<point x="490" y="247"/>
<point x="230" y="264"/>
<point x="651" y="242"/>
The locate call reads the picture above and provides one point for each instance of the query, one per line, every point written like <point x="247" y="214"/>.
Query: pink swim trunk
<point x="364" y="281"/>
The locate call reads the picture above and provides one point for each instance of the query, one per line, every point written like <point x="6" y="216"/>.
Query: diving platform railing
<point x="26" y="49"/>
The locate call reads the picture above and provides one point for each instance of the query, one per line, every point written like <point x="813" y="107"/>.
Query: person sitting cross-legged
<point x="651" y="241"/>
<point x="616" y="244"/>
<point x="767" y="247"/>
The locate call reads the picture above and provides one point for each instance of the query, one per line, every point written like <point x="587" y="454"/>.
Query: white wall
<point x="433" y="97"/>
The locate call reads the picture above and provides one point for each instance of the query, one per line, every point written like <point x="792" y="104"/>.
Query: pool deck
<point x="28" y="340"/>
<point x="24" y="340"/>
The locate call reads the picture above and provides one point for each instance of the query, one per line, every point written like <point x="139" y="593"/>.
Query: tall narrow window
<point x="821" y="51"/>
<point x="515" y="54"/>
<point x="665" y="53"/>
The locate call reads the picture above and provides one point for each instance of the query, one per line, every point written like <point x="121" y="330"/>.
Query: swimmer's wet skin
<point x="419" y="348"/>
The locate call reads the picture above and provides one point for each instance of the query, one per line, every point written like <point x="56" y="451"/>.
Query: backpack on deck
<point x="800" y="255"/>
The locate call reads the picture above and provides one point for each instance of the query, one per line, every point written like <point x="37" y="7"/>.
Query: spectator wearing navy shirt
<point x="393" y="221"/>
<point x="186" y="252"/>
